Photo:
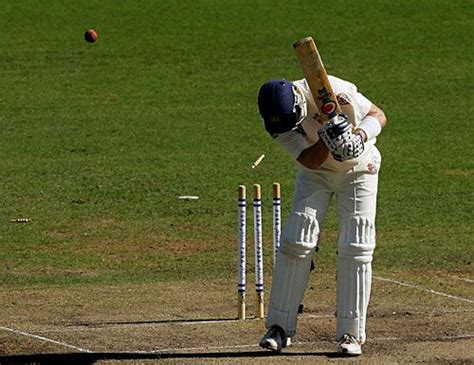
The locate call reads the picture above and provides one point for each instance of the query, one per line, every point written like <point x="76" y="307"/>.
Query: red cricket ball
<point x="91" y="35"/>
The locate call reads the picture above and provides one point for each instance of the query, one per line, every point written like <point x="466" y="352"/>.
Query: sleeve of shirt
<point x="294" y="142"/>
<point x="362" y="104"/>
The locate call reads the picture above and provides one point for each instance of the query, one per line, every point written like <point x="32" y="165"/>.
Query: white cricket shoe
<point x="349" y="346"/>
<point x="275" y="339"/>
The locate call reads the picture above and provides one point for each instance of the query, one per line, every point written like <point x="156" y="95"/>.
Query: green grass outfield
<point x="99" y="140"/>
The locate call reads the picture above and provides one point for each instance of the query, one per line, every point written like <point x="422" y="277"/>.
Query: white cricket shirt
<point x="353" y="104"/>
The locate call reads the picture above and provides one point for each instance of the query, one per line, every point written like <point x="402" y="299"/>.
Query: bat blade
<point x="315" y="74"/>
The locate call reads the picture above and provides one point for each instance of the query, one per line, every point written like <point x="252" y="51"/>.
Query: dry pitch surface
<point x="195" y="323"/>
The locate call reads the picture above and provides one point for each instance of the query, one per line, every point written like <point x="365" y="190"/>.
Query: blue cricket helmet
<point x="281" y="105"/>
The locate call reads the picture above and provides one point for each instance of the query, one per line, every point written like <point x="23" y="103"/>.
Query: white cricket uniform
<point x="354" y="185"/>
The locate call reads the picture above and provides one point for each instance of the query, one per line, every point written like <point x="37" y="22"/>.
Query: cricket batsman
<point x="336" y="159"/>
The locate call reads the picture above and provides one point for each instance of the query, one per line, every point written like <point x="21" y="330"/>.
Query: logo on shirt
<point x="371" y="167"/>
<point x="342" y="99"/>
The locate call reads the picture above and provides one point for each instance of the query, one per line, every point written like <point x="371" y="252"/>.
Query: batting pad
<point x="292" y="268"/>
<point x="354" y="276"/>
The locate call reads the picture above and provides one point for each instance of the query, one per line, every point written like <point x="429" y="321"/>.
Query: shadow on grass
<point x="91" y="358"/>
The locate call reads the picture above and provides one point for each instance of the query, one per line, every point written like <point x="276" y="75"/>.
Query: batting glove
<point x="335" y="134"/>
<point x="351" y="149"/>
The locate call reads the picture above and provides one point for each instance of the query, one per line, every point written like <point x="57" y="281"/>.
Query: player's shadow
<point x="91" y="358"/>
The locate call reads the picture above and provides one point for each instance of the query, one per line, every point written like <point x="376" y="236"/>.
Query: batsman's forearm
<point x="372" y="124"/>
<point x="378" y="113"/>
<point x="314" y="156"/>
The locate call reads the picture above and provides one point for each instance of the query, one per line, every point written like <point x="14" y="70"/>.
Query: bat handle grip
<point x="334" y="120"/>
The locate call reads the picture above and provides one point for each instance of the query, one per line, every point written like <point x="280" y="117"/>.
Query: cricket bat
<point x="317" y="78"/>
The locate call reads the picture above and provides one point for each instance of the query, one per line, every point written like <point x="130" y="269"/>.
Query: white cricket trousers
<point x="355" y="192"/>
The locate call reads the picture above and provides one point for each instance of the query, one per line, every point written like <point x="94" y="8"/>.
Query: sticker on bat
<point x="328" y="104"/>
